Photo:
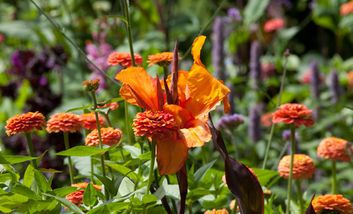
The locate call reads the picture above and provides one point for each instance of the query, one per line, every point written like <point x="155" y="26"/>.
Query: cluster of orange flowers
<point x="77" y="196"/>
<point x="64" y="122"/>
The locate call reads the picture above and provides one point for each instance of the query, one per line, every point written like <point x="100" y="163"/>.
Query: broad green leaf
<point x="254" y="10"/>
<point x="124" y="171"/>
<point x="82" y="151"/>
<point x="201" y="172"/>
<point x="264" y="175"/>
<point x="148" y="199"/>
<point x="63" y="191"/>
<point x="13" y="159"/>
<point x="41" y="182"/>
<point x="47" y="206"/>
<point x="66" y="203"/>
<point x="28" y="176"/>
<point x="25" y="191"/>
<point x="90" y="195"/>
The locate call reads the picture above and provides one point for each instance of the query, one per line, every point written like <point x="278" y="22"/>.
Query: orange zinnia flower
<point x="184" y="123"/>
<point x="214" y="211"/>
<point x="266" y="119"/>
<point x="25" y="123"/>
<point x="273" y="25"/>
<point x="292" y="113"/>
<point x="350" y="79"/>
<point x="346" y="8"/>
<point x="64" y="122"/>
<point x="89" y="121"/>
<point x="330" y="202"/>
<point x="123" y="59"/>
<point x="77" y="196"/>
<point x="303" y="166"/>
<point x="110" y="136"/>
<point x="335" y="149"/>
<point x="162" y="59"/>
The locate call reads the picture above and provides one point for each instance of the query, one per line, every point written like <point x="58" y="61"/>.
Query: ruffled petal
<point x="171" y="154"/>
<point x="197" y="135"/>
<point x="138" y="88"/>
<point x="196" y="49"/>
<point x="205" y="92"/>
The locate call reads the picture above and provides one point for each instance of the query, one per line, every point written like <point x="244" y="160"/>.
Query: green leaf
<point x="79" y="108"/>
<point x="254" y="10"/>
<point x="66" y="203"/>
<point x="28" y="176"/>
<point x="63" y="191"/>
<point x="25" y="191"/>
<point x="47" y="206"/>
<point x="124" y="171"/>
<point x="148" y="199"/>
<point x="82" y="151"/>
<point x="90" y="196"/>
<point x="13" y="159"/>
<point x="264" y="175"/>
<point x="201" y="172"/>
<point x="41" y="181"/>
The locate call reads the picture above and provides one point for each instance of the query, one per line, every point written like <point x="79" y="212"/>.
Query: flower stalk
<point x="292" y="152"/>
<point x="153" y="156"/>
<point x="30" y="149"/>
<point x="334" y="177"/>
<point x="67" y="146"/>
<point x="300" y="196"/>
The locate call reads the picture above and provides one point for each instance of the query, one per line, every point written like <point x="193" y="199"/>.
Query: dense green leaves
<point x="82" y="151"/>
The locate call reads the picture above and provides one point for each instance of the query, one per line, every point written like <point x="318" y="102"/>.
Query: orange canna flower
<point x="77" y="196"/>
<point x="303" y="167"/>
<point x="162" y="59"/>
<point x="266" y="119"/>
<point x="110" y="137"/>
<point x="350" y="79"/>
<point x="214" y="211"/>
<point x="335" y="149"/>
<point x="184" y="123"/>
<point x="346" y="8"/>
<point x="89" y="121"/>
<point x="26" y="122"/>
<point x="123" y="59"/>
<point x="292" y="113"/>
<point x="272" y="25"/>
<point x="332" y="203"/>
<point x="64" y="122"/>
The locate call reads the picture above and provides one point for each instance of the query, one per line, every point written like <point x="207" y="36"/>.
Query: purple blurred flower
<point x="217" y="48"/>
<point x="20" y="60"/>
<point x="334" y="86"/>
<point x="99" y="55"/>
<point x="234" y="14"/>
<point x="230" y="121"/>
<point x="254" y="129"/>
<point x="286" y="135"/>
<point x="255" y="65"/>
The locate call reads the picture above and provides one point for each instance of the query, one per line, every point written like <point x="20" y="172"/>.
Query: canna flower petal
<point x="138" y="88"/>
<point x="196" y="49"/>
<point x="172" y="153"/>
<point x="205" y="92"/>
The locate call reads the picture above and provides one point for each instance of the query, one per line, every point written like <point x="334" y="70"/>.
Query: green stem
<point x="91" y="158"/>
<point x="268" y="146"/>
<point x="300" y="196"/>
<point x="153" y="156"/>
<point x="99" y="131"/>
<point x="67" y="146"/>
<point x="30" y="149"/>
<point x="128" y="29"/>
<point x="292" y="151"/>
<point x="126" y="112"/>
<point x="334" y="178"/>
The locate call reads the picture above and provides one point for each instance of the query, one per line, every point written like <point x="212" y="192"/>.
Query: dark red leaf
<point x="159" y="94"/>
<point x="183" y="187"/>
<point x="310" y="209"/>
<point x="240" y="180"/>
<point x="175" y="69"/>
